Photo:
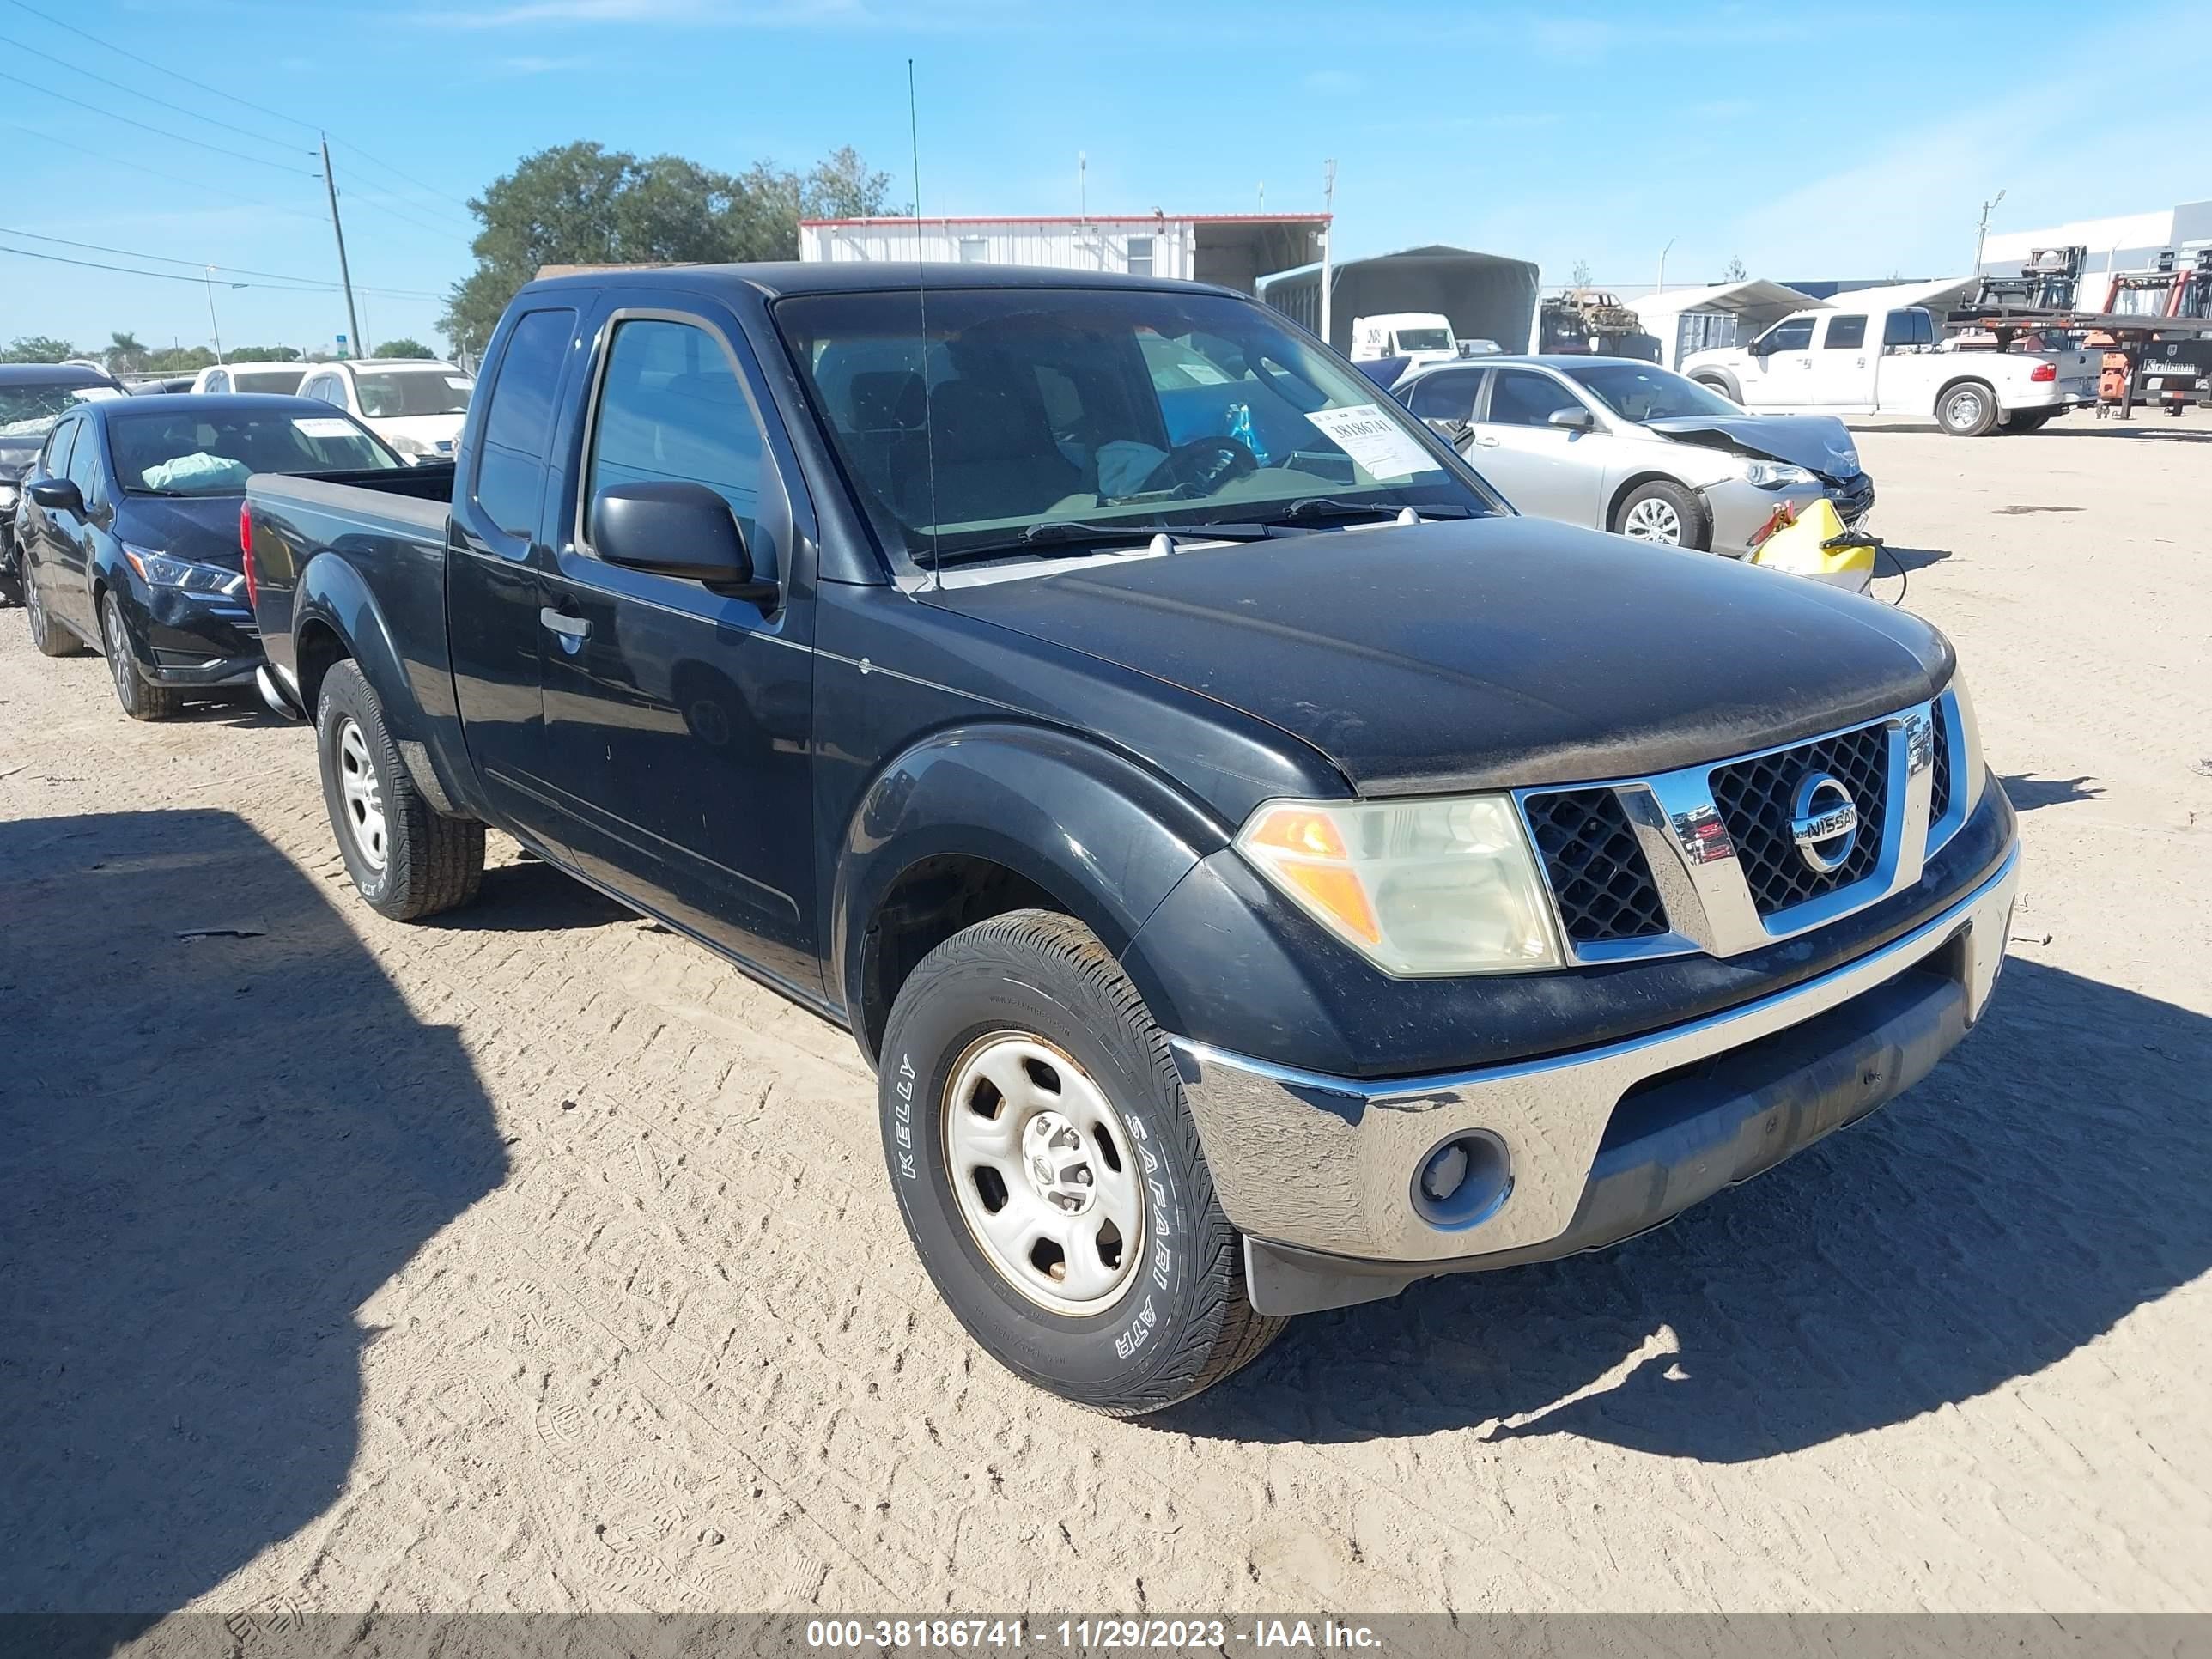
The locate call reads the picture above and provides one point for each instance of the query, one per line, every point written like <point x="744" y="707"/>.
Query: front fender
<point x="1107" y="838"/>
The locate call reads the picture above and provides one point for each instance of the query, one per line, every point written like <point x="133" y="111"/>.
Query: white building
<point x="2125" y="241"/>
<point x="1232" y="249"/>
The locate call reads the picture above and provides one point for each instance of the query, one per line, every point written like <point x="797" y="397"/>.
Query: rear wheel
<point x="1968" y="409"/>
<point x="141" y="699"/>
<point x="1664" y="512"/>
<point x="407" y="859"/>
<point x="51" y="639"/>
<point x="1049" y="1173"/>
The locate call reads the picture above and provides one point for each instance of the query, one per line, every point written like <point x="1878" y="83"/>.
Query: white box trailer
<point x="1487" y="296"/>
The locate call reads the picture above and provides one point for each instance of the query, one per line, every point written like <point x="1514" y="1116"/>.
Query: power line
<point x="228" y="94"/>
<point x="155" y="173"/>
<point x="204" y="264"/>
<point x="427" y="190"/>
<point x="157" y="276"/>
<point x="159" y="132"/>
<point x="78" y="70"/>
<point x="356" y="200"/>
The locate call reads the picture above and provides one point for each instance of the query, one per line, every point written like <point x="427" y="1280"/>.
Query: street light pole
<point x="1982" y="234"/>
<point x="213" y="327"/>
<point x="1664" y="252"/>
<point x="1327" y="240"/>
<point x="346" y="275"/>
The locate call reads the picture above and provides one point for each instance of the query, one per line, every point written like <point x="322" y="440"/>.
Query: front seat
<point x="994" y="457"/>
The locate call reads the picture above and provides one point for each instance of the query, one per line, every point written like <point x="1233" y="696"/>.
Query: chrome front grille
<point x="1727" y="857"/>
<point x="1756" y="800"/>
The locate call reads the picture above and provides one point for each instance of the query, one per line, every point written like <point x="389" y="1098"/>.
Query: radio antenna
<point x="922" y="302"/>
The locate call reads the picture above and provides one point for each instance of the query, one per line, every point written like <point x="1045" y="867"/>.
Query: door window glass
<point x="1844" y="334"/>
<point x="58" y="448"/>
<point x="1518" y="397"/>
<point x="1911" y="327"/>
<point x="1448" y="396"/>
<point x="1792" y="334"/>
<point x="671" y="407"/>
<point x="84" y="465"/>
<point x="518" y="426"/>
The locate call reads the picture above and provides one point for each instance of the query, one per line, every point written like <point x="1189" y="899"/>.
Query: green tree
<point x="262" y="354"/>
<point x="1736" y="272"/>
<point x="179" y="360"/>
<point x="403" y="347"/>
<point x="37" y="349"/>
<point x="1580" y="276"/>
<point x="125" y="352"/>
<point x="583" y="205"/>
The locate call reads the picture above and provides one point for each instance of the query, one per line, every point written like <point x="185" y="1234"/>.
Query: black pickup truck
<point x="1262" y="869"/>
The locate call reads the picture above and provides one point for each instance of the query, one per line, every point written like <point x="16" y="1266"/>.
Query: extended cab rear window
<point x="518" y="425"/>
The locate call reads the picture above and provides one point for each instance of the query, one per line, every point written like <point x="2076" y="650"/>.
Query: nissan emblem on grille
<point x="1824" y="822"/>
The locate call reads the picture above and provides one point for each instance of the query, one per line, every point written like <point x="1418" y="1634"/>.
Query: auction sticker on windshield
<point x="324" y="426"/>
<point x="1374" y="440"/>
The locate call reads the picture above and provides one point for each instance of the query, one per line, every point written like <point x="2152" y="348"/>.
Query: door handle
<point x="567" y="626"/>
<point x="1484" y="442"/>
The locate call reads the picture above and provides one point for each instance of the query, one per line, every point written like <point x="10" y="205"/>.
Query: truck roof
<point x="782" y="279"/>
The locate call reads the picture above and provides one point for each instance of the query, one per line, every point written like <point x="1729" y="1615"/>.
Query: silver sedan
<point x="1631" y="447"/>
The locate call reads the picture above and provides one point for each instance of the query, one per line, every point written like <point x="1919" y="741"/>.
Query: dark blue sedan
<point x="128" y="531"/>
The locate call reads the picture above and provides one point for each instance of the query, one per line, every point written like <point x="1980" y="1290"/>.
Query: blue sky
<point x="1811" y="141"/>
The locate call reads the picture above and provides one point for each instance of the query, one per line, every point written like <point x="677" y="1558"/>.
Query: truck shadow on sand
<point x="211" y="1153"/>
<point x="2044" y="1182"/>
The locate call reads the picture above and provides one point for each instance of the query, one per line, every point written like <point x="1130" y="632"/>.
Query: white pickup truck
<point x="1836" y="361"/>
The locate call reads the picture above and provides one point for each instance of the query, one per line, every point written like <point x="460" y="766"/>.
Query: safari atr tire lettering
<point x="141" y="699"/>
<point x="51" y="639"/>
<point x="431" y="863"/>
<point x="1186" y="1322"/>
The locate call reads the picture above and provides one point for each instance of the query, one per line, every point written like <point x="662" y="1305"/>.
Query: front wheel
<point x="1664" y="512"/>
<point x="407" y="859"/>
<point x="1050" y="1175"/>
<point x="48" y="636"/>
<point x="1968" y="409"/>
<point x="141" y="699"/>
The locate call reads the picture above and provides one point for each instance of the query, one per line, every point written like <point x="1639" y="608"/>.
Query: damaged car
<point x="1628" y="446"/>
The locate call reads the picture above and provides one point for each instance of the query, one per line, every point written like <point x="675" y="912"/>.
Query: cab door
<point x="65" y="582"/>
<point x="677" y="720"/>
<point x="1780" y="373"/>
<point x="1843" y="371"/>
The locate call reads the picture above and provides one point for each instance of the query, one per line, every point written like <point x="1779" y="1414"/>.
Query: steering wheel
<point x="1201" y="467"/>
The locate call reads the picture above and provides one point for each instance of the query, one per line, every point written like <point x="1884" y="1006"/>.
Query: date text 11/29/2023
<point x="1002" y="1635"/>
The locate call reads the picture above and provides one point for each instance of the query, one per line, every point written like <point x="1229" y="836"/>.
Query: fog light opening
<point x="1463" y="1180"/>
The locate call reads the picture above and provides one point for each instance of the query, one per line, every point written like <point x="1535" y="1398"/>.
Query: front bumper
<point x="1320" y="1172"/>
<point x="1738" y="508"/>
<point x="186" y="641"/>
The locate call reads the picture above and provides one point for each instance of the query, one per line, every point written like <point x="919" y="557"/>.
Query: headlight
<point x="161" y="570"/>
<point x="407" y="445"/>
<point x="1775" y="475"/>
<point x="1420" y="888"/>
<point x="1967" y="768"/>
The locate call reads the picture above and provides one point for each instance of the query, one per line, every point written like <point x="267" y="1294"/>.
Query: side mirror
<point x="58" y="496"/>
<point x="1575" y="418"/>
<point x="676" y="529"/>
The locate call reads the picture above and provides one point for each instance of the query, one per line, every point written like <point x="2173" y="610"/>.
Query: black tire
<point x="1967" y="408"/>
<point x="1719" y="383"/>
<point x="430" y="862"/>
<point x="141" y="699"/>
<point x="1689" y="512"/>
<point x="11" y="583"/>
<point x="52" y="638"/>
<point x="1184" y="1321"/>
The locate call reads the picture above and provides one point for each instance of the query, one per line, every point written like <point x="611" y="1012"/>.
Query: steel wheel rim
<point x="361" y="792"/>
<point x="35" y="612"/>
<point x="1654" y="520"/>
<point x="1045" y="1174"/>
<point x="119" y="653"/>
<point x="1965" y="408"/>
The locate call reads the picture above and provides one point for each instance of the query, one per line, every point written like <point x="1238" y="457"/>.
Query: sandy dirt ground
<point x="535" y="1259"/>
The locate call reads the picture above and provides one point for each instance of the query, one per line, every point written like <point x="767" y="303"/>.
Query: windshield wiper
<point x="1330" y="507"/>
<point x="1053" y="531"/>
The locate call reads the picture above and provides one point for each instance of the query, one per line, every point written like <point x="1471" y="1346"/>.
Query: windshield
<point x="1638" y="392"/>
<point x="387" y="394"/>
<point x="280" y="381"/>
<point x="1031" y="406"/>
<point x="26" y="412"/>
<point x="160" y="454"/>
<point x="1425" y="339"/>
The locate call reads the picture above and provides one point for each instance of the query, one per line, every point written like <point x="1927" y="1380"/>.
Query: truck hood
<point x="1487" y="652"/>
<point x="1820" y="443"/>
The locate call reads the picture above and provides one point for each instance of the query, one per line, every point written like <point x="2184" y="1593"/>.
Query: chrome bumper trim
<point x="1327" y="1164"/>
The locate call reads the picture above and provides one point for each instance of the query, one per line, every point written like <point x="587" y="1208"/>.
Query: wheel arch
<point x="1967" y="378"/>
<point x="1722" y="380"/>
<point x="981" y="818"/>
<point x="1650" y="474"/>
